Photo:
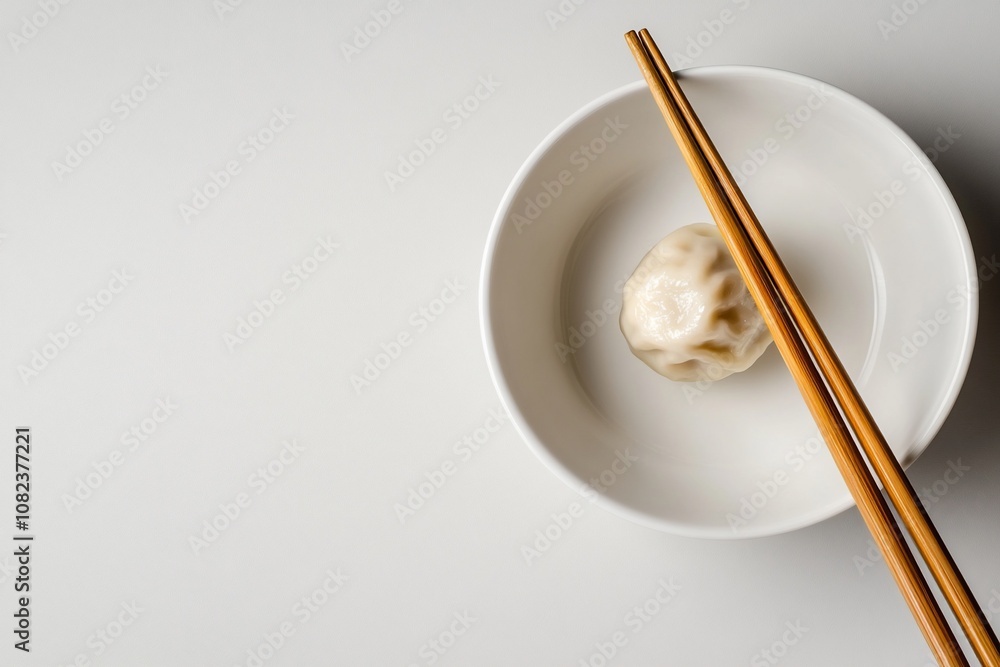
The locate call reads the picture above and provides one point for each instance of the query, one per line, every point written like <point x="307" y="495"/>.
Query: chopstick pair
<point x="824" y="384"/>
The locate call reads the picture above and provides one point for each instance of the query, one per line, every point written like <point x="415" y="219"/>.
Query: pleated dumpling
<point x="686" y="312"/>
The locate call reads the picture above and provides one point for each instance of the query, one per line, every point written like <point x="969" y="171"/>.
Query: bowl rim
<point x="535" y="443"/>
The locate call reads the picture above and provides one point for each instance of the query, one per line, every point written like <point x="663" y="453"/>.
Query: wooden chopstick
<point x="887" y="467"/>
<point x="871" y="503"/>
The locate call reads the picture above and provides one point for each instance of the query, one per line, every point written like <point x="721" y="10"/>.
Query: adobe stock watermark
<point x="992" y="606"/>
<point x="929" y="495"/>
<point x="32" y="24"/>
<point x="767" y="489"/>
<point x="252" y="146"/>
<point x="230" y="511"/>
<point x="928" y="328"/>
<point x="899" y="16"/>
<point x="911" y="345"/>
<point x="454" y="117"/>
<point x="785" y="127"/>
<point x="563" y="522"/>
<point x="121" y="109"/>
<point x="104" y="637"/>
<point x="944" y="140"/>
<point x="8" y="568"/>
<point x="577" y="336"/>
<point x="367" y="32"/>
<point x="883" y="199"/>
<point x="579" y="161"/>
<point x="634" y="621"/>
<point x="986" y="270"/>
<point x="867" y="215"/>
<point x="294" y="278"/>
<point x="780" y="647"/>
<point x="707" y="377"/>
<point x="698" y="43"/>
<point x="301" y="612"/>
<point x="437" y="646"/>
<point x="561" y="12"/>
<point x="224" y="7"/>
<point x="87" y="311"/>
<point x="419" y="321"/>
<point x="464" y="449"/>
<point x="131" y="440"/>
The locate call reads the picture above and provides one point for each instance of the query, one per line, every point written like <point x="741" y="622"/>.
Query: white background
<point x="332" y="508"/>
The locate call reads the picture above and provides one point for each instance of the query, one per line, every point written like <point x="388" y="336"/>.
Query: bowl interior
<point x="866" y="228"/>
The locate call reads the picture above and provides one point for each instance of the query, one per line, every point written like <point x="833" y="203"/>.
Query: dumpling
<point x="686" y="311"/>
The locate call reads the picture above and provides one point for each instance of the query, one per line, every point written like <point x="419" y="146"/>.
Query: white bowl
<point x="865" y="225"/>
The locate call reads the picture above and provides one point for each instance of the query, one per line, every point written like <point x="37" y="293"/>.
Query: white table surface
<point x="318" y="551"/>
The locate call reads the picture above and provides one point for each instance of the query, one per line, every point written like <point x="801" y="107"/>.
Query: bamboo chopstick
<point x="762" y="286"/>
<point x="888" y="469"/>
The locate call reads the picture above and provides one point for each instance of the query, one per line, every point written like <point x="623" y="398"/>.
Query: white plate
<point x="866" y="227"/>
